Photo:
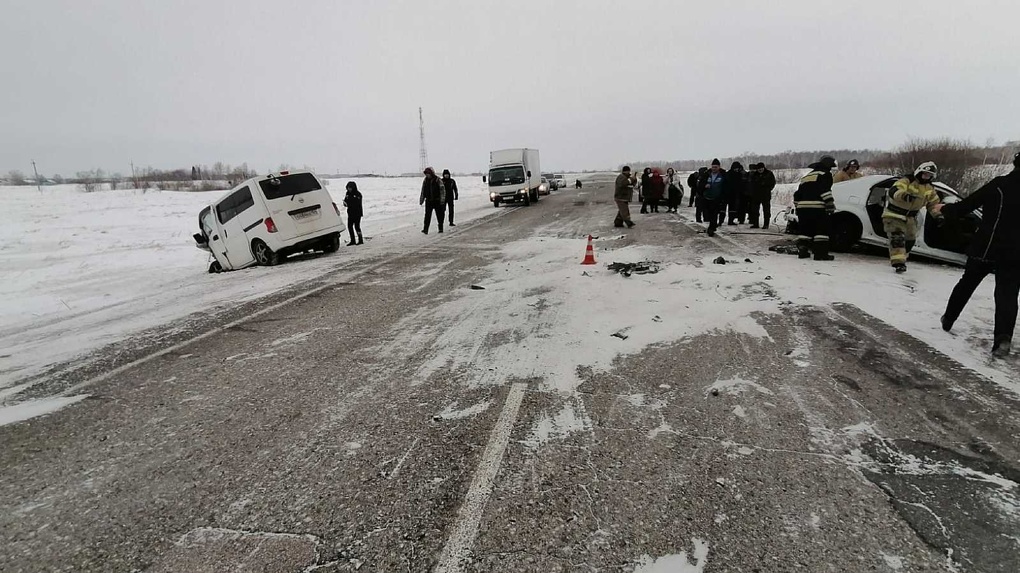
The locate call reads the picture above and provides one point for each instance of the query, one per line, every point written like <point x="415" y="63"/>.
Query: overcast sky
<point x="336" y="84"/>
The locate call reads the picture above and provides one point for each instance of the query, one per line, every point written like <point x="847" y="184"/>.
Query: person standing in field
<point x="696" y="192"/>
<point x="674" y="190"/>
<point x="813" y="202"/>
<point x="352" y="200"/>
<point x="433" y="197"/>
<point x="623" y="193"/>
<point x="906" y="198"/>
<point x="994" y="249"/>
<point x="655" y="191"/>
<point x="852" y="170"/>
<point x="736" y="188"/>
<point x="450" y="186"/>
<point x="643" y="185"/>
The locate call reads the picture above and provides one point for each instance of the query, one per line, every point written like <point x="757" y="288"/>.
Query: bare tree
<point x="954" y="157"/>
<point x="90" y="181"/>
<point x="16" y="177"/>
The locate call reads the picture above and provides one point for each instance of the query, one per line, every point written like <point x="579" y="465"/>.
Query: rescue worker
<point x="450" y="186"/>
<point x="813" y="202"/>
<point x="994" y="249"/>
<point x="712" y="184"/>
<point x="852" y="170"/>
<point x="906" y="198"/>
<point x="433" y="196"/>
<point x="352" y="200"/>
<point x="763" y="181"/>
<point x="623" y="194"/>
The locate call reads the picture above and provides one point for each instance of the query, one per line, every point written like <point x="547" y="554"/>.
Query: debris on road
<point x="784" y="249"/>
<point x="748" y="261"/>
<point x="641" y="268"/>
<point x="620" y="335"/>
<point x="720" y="261"/>
<point x="477" y="287"/>
<point x="656" y="318"/>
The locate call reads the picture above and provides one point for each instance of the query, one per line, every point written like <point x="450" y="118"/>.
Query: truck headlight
<point x="492" y="195"/>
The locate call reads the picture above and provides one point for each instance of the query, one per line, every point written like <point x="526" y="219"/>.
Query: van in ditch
<point x="265" y="219"/>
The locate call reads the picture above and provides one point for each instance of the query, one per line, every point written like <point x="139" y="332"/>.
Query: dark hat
<point x="716" y="162"/>
<point x="626" y="168"/>
<point x="736" y="165"/>
<point x="352" y="185"/>
<point x="853" y="163"/>
<point x="761" y="165"/>
<point x="429" y="171"/>
<point x="827" y="162"/>
<point x="702" y="169"/>
<point x="446" y="171"/>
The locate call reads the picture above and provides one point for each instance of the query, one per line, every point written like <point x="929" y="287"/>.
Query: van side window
<point x="235" y="204"/>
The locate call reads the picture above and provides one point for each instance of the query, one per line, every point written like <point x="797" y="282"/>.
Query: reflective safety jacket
<point x="815" y="192"/>
<point x="907" y="197"/>
<point x="844" y="175"/>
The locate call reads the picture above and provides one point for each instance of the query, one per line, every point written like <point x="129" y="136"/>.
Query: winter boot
<point x="352" y="243"/>
<point x="765" y="226"/>
<point x="630" y="224"/>
<point x="361" y="241"/>
<point x="618" y="222"/>
<point x="822" y="251"/>
<point x="1002" y="348"/>
<point x="947" y="324"/>
<point x="900" y="268"/>
<point x="803" y="250"/>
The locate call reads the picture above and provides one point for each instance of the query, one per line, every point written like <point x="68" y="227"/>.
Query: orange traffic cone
<point x="589" y="254"/>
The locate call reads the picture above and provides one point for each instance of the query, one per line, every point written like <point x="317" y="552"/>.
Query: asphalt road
<point x="343" y="431"/>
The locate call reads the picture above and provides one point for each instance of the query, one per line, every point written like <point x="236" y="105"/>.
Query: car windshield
<point x="289" y="185"/>
<point x="506" y="176"/>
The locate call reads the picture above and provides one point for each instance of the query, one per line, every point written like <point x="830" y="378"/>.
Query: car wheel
<point x="845" y="230"/>
<point x="215" y="267"/>
<point x="332" y="244"/>
<point x="264" y="256"/>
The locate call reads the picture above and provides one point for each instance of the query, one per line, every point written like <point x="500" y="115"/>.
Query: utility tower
<point x="423" y="153"/>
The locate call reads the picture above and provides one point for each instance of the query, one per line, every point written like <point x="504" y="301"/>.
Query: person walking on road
<point x="450" y="186"/>
<point x="763" y="181"/>
<point x="852" y="170"/>
<point x="994" y="249"/>
<point x="813" y="202"/>
<point x="433" y="196"/>
<point x="352" y="200"/>
<point x="674" y="190"/>
<point x="623" y="194"/>
<point x="712" y="185"/>
<point x="906" y="199"/>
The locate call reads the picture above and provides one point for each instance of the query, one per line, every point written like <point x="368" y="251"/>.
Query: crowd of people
<point x="738" y="196"/>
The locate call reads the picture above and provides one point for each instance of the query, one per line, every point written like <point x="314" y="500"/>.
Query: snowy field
<point x="82" y="270"/>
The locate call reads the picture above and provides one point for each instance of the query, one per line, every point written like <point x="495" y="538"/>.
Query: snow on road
<point x="82" y="270"/>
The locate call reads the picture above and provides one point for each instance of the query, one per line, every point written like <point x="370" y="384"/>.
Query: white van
<point x="265" y="219"/>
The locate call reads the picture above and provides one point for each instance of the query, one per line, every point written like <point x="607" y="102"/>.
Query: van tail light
<point x="270" y="225"/>
<point x="337" y="209"/>
<point x="285" y="173"/>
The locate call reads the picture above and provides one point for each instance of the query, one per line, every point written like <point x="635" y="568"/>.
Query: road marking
<point x="469" y="516"/>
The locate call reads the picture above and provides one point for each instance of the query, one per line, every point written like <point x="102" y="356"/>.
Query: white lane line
<point x="465" y="529"/>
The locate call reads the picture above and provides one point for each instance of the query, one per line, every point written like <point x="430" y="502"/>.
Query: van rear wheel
<point x="264" y="256"/>
<point x="332" y="244"/>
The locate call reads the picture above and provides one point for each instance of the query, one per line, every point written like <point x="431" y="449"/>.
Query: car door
<point x="214" y="242"/>
<point x="949" y="241"/>
<point x="233" y="213"/>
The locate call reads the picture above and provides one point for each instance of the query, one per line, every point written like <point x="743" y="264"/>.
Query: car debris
<point x="641" y="268"/>
<point x="720" y="261"/>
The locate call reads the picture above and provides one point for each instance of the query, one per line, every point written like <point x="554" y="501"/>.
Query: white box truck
<point x="514" y="176"/>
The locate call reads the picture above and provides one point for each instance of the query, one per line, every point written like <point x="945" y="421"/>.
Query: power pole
<point x="38" y="184"/>
<point x="424" y="155"/>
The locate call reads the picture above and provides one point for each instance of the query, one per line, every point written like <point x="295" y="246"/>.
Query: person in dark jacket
<point x="994" y="249"/>
<point x="736" y="187"/>
<point x="433" y="196"/>
<point x="712" y="185"/>
<point x="655" y="191"/>
<point x="814" y="203"/>
<point x="352" y="200"/>
<point x="450" y="186"/>
<point x="696" y="192"/>
<point x="763" y="181"/>
<point x="645" y="183"/>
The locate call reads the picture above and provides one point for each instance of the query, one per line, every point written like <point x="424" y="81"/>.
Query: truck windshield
<point x="506" y="176"/>
<point x="289" y="185"/>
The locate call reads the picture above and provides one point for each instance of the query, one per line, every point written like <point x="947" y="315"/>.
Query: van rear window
<point x="289" y="185"/>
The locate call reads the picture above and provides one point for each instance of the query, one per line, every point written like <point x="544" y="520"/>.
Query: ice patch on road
<point x="452" y="413"/>
<point x="679" y="563"/>
<point x="570" y="419"/>
<point x="736" y="386"/>
<point x="32" y="408"/>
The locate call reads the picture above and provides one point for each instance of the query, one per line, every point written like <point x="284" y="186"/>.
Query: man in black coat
<point x="352" y="200"/>
<point x="450" y="186"/>
<point x="736" y="187"/>
<point x="763" y="181"/>
<point x="692" y="184"/>
<point x="433" y="196"/>
<point x="994" y="249"/>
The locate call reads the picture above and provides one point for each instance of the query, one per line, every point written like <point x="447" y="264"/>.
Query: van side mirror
<point x="483" y="178"/>
<point x="529" y="175"/>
